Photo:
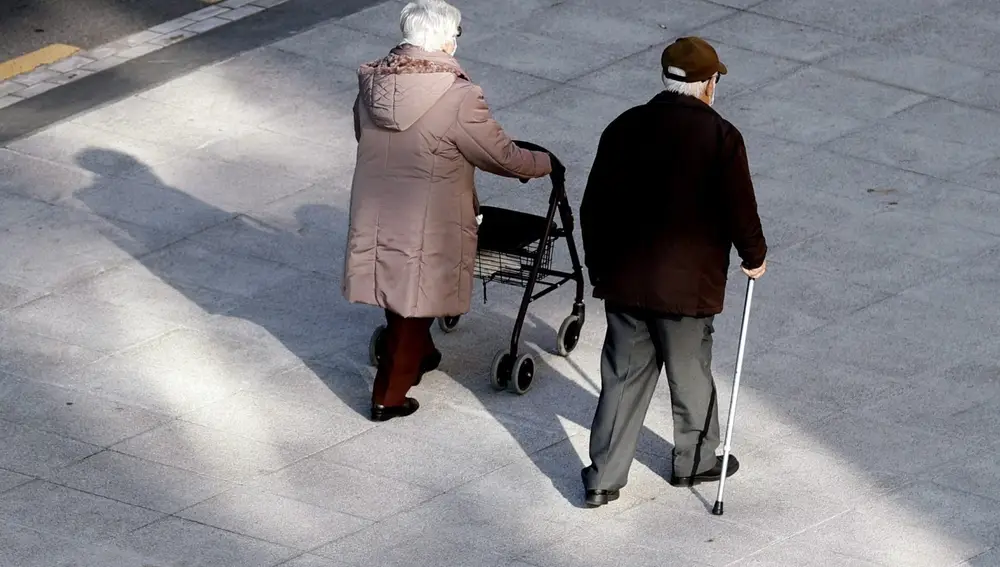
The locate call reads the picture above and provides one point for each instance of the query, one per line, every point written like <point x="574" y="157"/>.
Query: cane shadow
<point x="303" y="312"/>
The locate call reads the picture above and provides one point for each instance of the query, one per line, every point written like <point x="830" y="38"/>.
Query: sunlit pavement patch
<point x="58" y="64"/>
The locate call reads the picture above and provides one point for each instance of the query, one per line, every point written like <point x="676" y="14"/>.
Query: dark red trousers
<point x="407" y="342"/>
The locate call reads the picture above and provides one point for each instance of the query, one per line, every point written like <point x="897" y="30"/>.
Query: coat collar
<point x="666" y="97"/>
<point x="439" y="57"/>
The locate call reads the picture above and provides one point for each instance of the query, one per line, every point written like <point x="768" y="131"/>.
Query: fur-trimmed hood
<point x="400" y="88"/>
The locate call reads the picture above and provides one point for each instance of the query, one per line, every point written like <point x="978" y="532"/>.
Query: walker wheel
<point x="500" y="372"/>
<point x="569" y="335"/>
<point x="449" y="324"/>
<point x="376" y="345"/>
<point x="523" y="375"/>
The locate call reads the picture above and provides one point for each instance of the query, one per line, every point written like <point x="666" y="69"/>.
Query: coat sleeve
<point x="484" y="143"/>
<point x="741" y="203"/>
<point x="598" y="196"/>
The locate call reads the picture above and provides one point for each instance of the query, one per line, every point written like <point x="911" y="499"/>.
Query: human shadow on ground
<point x="306" y="314"/>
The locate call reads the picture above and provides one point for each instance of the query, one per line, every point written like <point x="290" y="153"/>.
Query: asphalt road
<point x="28" y="25"/>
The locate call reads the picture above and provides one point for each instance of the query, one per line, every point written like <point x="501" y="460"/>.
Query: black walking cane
<point x="717" y="509"/>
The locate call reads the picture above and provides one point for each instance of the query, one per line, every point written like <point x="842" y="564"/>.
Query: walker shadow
<point x="310" y="332"/>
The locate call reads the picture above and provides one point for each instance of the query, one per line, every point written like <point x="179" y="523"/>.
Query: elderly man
<point x="669" y="194"/>
<point x="422" y="128"/>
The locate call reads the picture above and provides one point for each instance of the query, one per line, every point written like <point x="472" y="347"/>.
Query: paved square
<point x="182" y="384"/>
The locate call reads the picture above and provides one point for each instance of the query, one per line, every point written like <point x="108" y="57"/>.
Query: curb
<point x="84" y="63"/>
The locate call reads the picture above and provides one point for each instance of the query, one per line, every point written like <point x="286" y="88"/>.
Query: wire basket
<point x="509" y="243"/>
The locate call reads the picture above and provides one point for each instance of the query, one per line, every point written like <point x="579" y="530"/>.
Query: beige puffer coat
<point x="422" y="129"/>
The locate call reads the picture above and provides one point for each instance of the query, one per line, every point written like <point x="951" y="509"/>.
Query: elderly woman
<point x="422" y="128"/>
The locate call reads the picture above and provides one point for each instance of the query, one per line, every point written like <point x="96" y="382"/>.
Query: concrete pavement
<point x="182" y="384"/>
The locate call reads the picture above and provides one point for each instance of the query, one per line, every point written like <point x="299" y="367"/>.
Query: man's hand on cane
<point x="756" y="272"/>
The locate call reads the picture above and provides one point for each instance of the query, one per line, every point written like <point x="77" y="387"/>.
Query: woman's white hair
<point x="429" y="24"/>
<point x="691" y="89"/>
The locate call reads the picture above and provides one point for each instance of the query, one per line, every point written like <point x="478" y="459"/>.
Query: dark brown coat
<point x="422" y="128"/>
<point x="668" y="196"/>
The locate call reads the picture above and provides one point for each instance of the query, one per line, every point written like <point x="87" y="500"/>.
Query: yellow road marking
<point x="29" y="61"/>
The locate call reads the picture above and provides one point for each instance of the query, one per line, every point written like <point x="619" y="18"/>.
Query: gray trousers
<point x="636" y="348"/>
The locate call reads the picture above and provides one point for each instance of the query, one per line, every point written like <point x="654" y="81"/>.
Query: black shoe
<point x="429" y="363"/>
<point x="711" y="475"/>
<point x="596" y="498"/>
<point x="385" y="413"/>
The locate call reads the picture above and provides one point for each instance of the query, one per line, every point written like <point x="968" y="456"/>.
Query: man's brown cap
<point x="691" y="60"/>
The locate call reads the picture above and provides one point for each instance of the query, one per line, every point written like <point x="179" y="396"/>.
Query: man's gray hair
<point x="429" y="24"/>
<point x="691" y="89"/>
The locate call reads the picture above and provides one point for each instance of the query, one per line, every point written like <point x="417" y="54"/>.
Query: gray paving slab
<point x="31" y="452"/>
<point x="71" y="320"/>
<point x="274" y="518"/>
<point x="984" y="175"/>
<point x="11" y="479"/>
<point x="926" y="73"/>
<point x="21" y="546"/>
<point x="304" y="248"/>
<point x="193" y="264"/>
<point x="503" y="87"/>
<point x="132" y="286"/>
<point x="413" y="459"/>
<point x="39" y="178"/>
<point x="156" y="122"/>
<point x="826" y="91"/>
<point x="916" y="525"/>
<point x="74" y="144"/>
<point x="139" y="482"/>
<point x="984" y="93"/>
<point x="590" y="551"/>
<point x="511" y="49"/>
<point x="343" y="49"/>
<point x="793" y="553"/>
<point x="228" y="99"/>
<point x="302" y="428"/>
<point x="207" y="451"/>
<point x="71" y="413"/>
<point x="450" y="522"/>
<point x="676" y="16"/>
<point x="203" y="183"/>
<point x="672" y="532"/>
<point x="61" y="246"/>
<point x="964" y="394"/>
<point x="287" y="155"/>
<point x="81" y="515"/>
<point x="869" y="19"/>
<point x="984" y="559"/>
<point x="775" y="37"/>
<point x="933" y="34"/>
<point x="322" y="482"/>
<point x="329" y="122"/>
<point x="308" y="560"/>
<point x="949" y="121"/>
<point x="284" y="72"/>
<point x="571" y="21"/>
<point x="178" y="541"/>
<point x="145" y="202"/>
<point x="38" y="357"/>
<point x="502" y="13"/>
<point x="898" y="148"/>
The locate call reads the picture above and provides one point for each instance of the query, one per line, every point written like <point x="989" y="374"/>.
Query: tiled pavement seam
<point x="104" y="57"/>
